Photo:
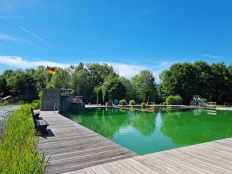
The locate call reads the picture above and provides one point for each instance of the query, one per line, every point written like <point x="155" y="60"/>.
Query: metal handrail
<point x="56" y="106"/>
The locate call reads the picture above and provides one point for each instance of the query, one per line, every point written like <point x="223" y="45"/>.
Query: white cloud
<point x="130" y="70"/>
<point x="125" y="70"/>
<point x="211" y="56"/>
<point x="18" y="62"/>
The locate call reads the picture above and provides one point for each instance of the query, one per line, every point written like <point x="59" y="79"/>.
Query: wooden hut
<point x="9" y="99"/>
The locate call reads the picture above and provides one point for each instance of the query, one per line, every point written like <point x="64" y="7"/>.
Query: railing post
<point x="54" y="107"/>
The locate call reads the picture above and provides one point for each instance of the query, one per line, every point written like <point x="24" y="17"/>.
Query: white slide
<point x="201" y="102"/>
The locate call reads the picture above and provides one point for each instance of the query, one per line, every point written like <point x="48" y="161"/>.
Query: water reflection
<point x="146" y="132"/>
<point x="187" y="128"/>
<point x="107" y="122"/>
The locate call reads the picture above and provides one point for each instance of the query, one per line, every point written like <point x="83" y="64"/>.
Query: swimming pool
<point x="148" y="132"/>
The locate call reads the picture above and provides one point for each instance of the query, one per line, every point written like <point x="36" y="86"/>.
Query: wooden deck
<point x="72" y="146"/>
<point x="75" y="149"/>
<point x="206" y="158"/>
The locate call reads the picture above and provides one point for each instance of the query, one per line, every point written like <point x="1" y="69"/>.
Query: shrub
<point x="174" y="100"/>
<point x="179" y="100"/>
<point x="40" y="94"/>
<point x="132" y="102"/>
<point x="50" y="86"/>
<point x="144" y="105"/>
<point x="20" y="102"/>
<point x="171" y="100"/>
<point x="18" y="148"/>
<point x="164" y="103"/>
<point x="36" y="104"/>
<point x="123" y="102"/>
<point x="153" y="107"/>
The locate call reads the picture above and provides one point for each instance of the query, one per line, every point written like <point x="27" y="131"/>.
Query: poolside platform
<point x="212" y="157"/>
<point x="71" y="146"/>
<point x="75" y="149"/>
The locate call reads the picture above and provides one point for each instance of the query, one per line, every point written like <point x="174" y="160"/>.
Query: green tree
<point x="221" y="83"/>
<point x="42" y="77"/>
<point x="83" y="86"/>
<point x="180" y="79"/>
<point x="115" y="89"/>
<point x="98" y="91"/>
<point x="130" y="89"/>
<point x="61" y="79"/>
<point x="23" y="86"/>
<point x="144" y="84"/>
<point x="4" y="90"/>
<point x="99" y="73"/>
<point x="203" y="78"/>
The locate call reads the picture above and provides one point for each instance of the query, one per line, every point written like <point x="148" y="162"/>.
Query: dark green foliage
<point x="184" y="79"/>
<point x="123" y="102"/>
<point x="50" y="86"/>
<point x="99" y="73"/>
<point x="174" y="100"/>
<point x="132" y="102"/>
<point x="4" y="89"/>
<point x="115" y="89"/>
<point x="61" y="79"/>
<point x="23" y="86"/>
<point x="83" y="86"/>
<point x="36" y="104"/>
<point x="171" y="100"/>
<point x="198" y="78"/>
<point x="144" y="105"/>
<point x="179" y="100"/>
<point x="130" y="88"/>
<point x="144" y="85"/>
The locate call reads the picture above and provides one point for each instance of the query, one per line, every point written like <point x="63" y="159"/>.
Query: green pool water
<point x="148" y="132"/>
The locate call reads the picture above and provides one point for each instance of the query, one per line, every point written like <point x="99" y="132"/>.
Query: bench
<point x="40" y="125"/>
<point x="35" y="114"/>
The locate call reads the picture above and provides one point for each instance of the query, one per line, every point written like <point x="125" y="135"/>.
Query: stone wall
<point x="65" y="104"/>
<point x="49" y="98"/>
<point x="52" y="96"/>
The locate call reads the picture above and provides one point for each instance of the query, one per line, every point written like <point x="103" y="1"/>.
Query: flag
<point x="51" y="70"/>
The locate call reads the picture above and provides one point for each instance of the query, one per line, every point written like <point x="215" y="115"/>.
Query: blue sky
<point x="131" y="35"/>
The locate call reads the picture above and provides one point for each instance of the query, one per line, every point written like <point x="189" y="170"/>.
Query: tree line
<point x="98" y="83"/>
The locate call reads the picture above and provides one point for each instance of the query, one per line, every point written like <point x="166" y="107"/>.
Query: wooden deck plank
<point x="100" y="169"/>
<point x="89" y="171"/>
<point x="150" y="163"/>
<point x="71" y="146"/>
<point x="138" y="166"/>
<point x="180" y="162"/>
<point x="130" y="167"/>
<point x="76" y="166"/>
<point x="198" y="161"/>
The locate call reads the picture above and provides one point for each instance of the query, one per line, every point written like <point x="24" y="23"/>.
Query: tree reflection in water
<point x="108" y="122"/>
<point x="147" y="132"/>
<point x="187" y="127"/>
